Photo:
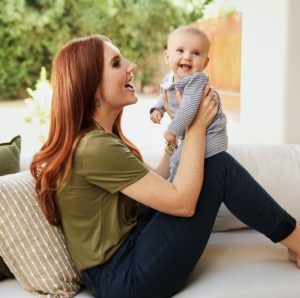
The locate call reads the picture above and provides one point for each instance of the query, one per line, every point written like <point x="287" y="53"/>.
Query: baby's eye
<point x="179" y="51"/>
<point x="117" y="63"/>
<point x="196" y="54"/>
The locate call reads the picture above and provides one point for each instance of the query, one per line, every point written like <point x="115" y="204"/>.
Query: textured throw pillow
<point x="33" y="250"/>
<point x="9" y="164"/>
<point x="10" y="156"/>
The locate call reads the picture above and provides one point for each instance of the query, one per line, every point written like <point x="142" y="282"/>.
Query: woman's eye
<point x="117" y="63"/>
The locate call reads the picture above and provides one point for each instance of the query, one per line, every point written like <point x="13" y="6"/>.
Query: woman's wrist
<point x="170" y="148"/>
<point x="197" y="129"/>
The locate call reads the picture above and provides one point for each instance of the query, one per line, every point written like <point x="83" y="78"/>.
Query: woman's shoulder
<point x="98" y="135"/>
<point x="98" y="141"/>
<point x="100" y="151"/>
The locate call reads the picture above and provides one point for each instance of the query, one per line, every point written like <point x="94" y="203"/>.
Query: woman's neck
<point x="105" y="119"/>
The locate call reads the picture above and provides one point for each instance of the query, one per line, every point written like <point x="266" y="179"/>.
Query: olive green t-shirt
<point x="96" y="216"/>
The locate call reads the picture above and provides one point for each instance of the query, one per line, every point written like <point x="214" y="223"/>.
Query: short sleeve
<point x="108" y="163"/>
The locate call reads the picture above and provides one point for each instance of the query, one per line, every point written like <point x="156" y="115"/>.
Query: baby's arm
<point x="159" y="105"/>
<point x="192" y="95"/>
<point x="157" y="111"/>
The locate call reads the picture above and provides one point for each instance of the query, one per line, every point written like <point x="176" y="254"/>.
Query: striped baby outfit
<point x="191" y="88"/>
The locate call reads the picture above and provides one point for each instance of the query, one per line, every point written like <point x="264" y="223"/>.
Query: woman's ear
<point x="98" y="103"/>
<point x="98" y="98"/>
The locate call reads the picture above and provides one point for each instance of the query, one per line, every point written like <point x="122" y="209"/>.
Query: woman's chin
<point x="135" y="99"/>
<point x="132" y="101"/>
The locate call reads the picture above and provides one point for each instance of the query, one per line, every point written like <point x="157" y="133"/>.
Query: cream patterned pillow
<point x="33" y="250"/>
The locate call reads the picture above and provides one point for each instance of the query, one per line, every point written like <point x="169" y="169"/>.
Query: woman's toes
<point x="293" y="257"/>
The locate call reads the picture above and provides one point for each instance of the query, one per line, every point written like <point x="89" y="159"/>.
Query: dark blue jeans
<point x="161" y="252"/>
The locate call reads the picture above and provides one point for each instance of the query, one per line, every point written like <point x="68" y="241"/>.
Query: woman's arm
<point x="163" y="167"/>
<point x="179" y="197"/>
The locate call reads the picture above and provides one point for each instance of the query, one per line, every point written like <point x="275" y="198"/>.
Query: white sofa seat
<point x="243" y="264"/>
<point x="240" y="263"/>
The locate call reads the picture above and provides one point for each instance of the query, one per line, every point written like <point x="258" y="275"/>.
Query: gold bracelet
<point x="170" y="148"/>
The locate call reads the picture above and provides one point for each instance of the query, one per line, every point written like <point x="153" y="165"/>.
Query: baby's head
<point x="187" y="51"/>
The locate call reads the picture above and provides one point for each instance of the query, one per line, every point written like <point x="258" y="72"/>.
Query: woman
<point x="89" y="179"/>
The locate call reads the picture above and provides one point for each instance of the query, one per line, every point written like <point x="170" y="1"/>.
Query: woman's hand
<point x="207" y="110"/>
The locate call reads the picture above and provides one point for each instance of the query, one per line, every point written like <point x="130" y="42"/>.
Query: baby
<point x="187" y="56"/>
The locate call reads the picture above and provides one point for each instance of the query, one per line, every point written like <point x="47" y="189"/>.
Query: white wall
<point x="270" y="99"/>
<point x="292" y="112"/>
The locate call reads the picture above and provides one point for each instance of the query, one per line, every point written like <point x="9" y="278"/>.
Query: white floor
<point x="136" y="125"/>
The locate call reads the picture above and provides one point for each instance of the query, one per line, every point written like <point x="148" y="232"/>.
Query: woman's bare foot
<point x="292" y="242"/>
<point x="298" y="262"/>
<point x="292" y="255"/>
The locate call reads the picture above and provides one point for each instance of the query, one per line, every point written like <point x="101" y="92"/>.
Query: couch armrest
<point x="25" y="161"/>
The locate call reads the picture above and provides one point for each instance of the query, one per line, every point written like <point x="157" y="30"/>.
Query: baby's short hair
<point x="193" y="30"/>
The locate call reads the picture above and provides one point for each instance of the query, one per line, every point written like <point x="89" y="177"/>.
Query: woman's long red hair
<point x="76" y="78"/>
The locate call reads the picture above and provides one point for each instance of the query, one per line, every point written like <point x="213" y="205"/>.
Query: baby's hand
<point x="170" y="138"/>
<point x="156" y="116"/>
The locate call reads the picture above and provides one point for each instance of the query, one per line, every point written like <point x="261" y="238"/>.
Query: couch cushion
<point x="9" y="164"/>
<point x="34" y="251"/>
<point x="243" y="264"/>
<point x="277" y="169"/>
<point x="235" y="264"/>
<point x="10" y="156"/>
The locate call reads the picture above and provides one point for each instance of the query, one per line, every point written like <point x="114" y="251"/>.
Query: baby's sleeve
<point x="159" y="105"/>
<point x="192" y="95"/>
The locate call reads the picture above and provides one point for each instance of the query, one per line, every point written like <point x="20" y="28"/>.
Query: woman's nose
<point x="131" y="67"/>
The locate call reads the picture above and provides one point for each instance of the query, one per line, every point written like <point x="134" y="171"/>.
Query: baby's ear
<point x="166" y="55"/>
<point x="206" y="62"/>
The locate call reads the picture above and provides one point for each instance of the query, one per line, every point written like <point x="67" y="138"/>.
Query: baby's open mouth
<point x="185" y="66"/>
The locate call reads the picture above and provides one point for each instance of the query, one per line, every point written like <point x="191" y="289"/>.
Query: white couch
<point x="238" y="262"/>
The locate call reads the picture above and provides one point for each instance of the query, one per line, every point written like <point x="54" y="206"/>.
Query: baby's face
<point x="187" y="53"/>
